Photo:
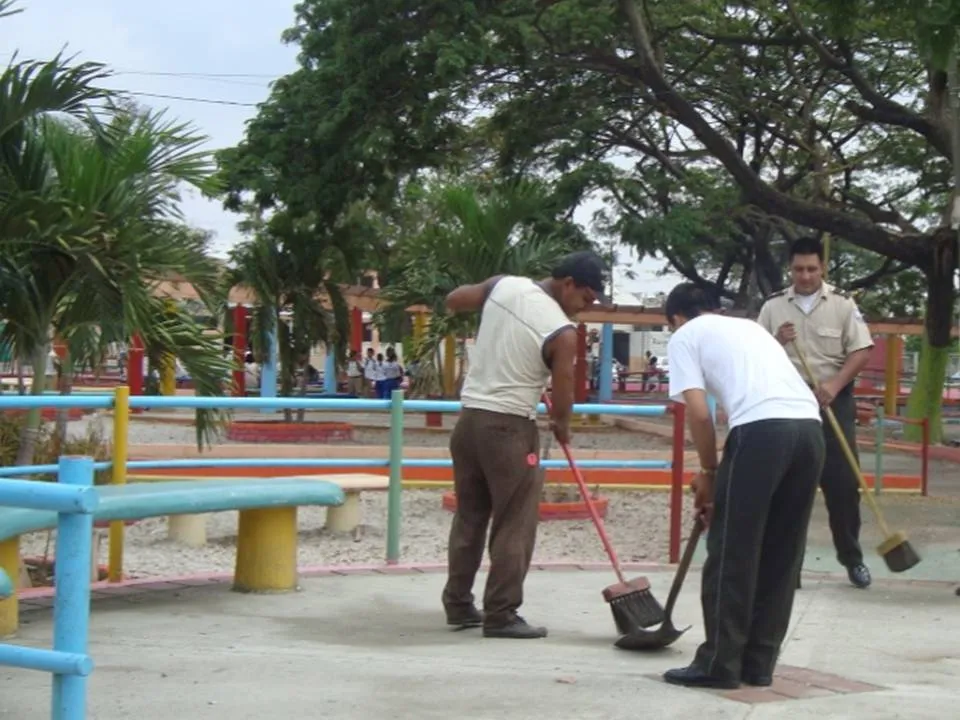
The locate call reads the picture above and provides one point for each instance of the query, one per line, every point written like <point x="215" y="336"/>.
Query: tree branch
<point x="881" y="109"/>
<point x="858" y="231"/>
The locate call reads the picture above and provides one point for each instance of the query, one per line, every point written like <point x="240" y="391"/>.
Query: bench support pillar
<point x="344" y="518"/>
<point x="10" y="562"/>
<point x="189" y="530"/>
<point x="266" y="550"/>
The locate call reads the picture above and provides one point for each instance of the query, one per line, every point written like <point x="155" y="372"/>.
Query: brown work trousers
<point x="496" y="474"/>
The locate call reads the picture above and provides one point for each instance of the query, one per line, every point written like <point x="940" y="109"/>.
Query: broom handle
<point x="589" y="503"/>
<point x="838" y="431"/>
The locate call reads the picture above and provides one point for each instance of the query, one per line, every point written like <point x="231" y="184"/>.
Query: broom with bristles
<point x="896" y="550"/>
<point x="631" y="601"/>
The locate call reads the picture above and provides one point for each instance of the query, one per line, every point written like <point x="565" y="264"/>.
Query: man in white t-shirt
<point x="757" y="500"/>
<point x="525" y="338"/>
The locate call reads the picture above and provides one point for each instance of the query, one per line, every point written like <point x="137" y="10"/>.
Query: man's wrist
<point x="708" y="469"/>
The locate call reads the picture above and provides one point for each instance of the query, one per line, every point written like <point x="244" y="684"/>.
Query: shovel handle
<point x="611" y="553"/>
<point x="684" y="566"/>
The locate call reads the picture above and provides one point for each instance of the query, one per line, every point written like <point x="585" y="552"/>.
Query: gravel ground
<point x="637" y="523"/>
<point x="159" y="433"/>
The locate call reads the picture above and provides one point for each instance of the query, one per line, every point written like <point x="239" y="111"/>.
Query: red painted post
<point x="135" y="369"/>
<point x="356" y="330"/>
<point x="580" y="370"/>
<point x="239" y="350"/>
<point x="676" y="480"/>
<point x="925" y="456"/>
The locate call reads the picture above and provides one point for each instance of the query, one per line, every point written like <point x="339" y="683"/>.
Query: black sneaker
<point x="469" y="618"/>
<point x="859" y="575"/>
<point x="757" y="679"/>
<point x="517" y="629"/>
<point x="691" y="676"/>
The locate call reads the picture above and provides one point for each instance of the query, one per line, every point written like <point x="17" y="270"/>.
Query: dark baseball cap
<point x="586" y="269"/>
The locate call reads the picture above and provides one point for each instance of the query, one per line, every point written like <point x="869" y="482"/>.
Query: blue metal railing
<point x="75" y="499"/>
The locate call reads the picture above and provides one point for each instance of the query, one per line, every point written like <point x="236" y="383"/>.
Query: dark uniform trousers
<point x="841" y="489"/>
<point x="496" y="476"/>
<point x="764" y="493"/>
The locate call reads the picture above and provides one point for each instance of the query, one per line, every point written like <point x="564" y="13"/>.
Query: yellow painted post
<point x="266" y="550"/>
<point x="10" y="562"/>
<point x="168" y="363"/>
<point x="891" y="376"/>
<point x="419" y="325"/>
<point x="121" y="429"/>
<point x="449" y="365"/>
<point x="168" y="375"/>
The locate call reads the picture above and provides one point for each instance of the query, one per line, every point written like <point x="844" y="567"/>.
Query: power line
<point x="189" y="99"/>
<point x="166" y="73"/>
<point x="196" y="74"/>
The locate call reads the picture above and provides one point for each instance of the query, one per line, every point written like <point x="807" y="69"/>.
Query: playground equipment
<point x="74" y="499"/>
<point x="74" y="538"/>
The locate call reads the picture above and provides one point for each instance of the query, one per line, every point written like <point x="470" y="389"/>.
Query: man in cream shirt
<point x="525" y="338"/>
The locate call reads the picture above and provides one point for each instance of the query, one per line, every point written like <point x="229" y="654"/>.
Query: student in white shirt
<point x="392" y="373"/>
<point x="370" y="371"/>
<point x="757" y="500"/>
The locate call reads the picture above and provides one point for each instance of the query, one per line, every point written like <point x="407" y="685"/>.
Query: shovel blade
<point x="657" y="639"/>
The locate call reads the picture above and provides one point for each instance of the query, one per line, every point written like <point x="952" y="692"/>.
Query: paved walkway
<point x="374" y="646"/>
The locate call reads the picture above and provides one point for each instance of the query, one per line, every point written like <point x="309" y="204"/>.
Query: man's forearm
<point x="562" y="399"/>
<point x="705" y="440"/>
<point x="852" y="366"/>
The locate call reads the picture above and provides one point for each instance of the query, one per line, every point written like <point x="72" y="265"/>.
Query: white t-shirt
<point x="807" y="302"/>
<point x="743" y="366"/>
<point x="391" y="369"/>
<point x="353" y="368"/>
<point x="370" y="368"/>
<point x="507" y="373"/>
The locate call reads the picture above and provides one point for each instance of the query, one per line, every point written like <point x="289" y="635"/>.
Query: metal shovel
<point x="666" y="634"/>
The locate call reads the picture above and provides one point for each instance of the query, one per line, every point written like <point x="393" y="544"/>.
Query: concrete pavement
<point x="374" y="645"/>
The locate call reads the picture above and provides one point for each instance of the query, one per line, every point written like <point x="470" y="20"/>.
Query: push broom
<point x="631" y="601"/>
<point x="896" y="550"/>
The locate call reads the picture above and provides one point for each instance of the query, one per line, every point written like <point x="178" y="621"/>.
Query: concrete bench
<point x="347" y="516"/>
<point x="266" y="559"/>
<point x="191" y="530"/>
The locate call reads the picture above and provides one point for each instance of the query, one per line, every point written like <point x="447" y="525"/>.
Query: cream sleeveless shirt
<point x="507" y="372"/>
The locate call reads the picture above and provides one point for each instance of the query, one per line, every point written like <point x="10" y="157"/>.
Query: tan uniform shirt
<point x="831" y="330"/>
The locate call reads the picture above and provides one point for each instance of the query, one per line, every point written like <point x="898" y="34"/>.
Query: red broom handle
<point x="590" y="507"/>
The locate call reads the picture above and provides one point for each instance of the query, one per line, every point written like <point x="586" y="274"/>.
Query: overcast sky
<point x="213" y="61"/>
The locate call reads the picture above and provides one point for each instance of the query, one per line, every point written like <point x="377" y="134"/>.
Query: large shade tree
<point x="778" y="118"/>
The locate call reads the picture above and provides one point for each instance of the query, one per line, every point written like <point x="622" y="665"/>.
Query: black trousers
<point x="841" y="490"/>
<point x="763" y="498"/>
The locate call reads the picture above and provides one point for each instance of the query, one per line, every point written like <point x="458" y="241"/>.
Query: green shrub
<point x="93" y="442"/>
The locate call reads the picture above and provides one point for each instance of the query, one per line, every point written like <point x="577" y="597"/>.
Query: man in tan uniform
<point x="836" y="341"/>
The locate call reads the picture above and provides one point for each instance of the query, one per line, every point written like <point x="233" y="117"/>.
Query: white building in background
<point x="630" y="342"/>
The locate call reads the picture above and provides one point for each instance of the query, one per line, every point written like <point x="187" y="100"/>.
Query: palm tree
<point x="89" y="224"/>
<point x="479" y="231"/>
<point x="296" y="269"/>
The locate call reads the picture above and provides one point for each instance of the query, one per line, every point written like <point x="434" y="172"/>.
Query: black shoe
<point x="517" y="629"/>
<point x="469" y="618"/>
<point x="859" y="575"/>
<point x="691" y="676"/>
<point x="757" y="679"/>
